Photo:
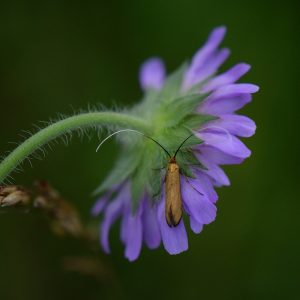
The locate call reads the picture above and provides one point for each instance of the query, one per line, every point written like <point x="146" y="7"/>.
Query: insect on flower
<point x="193" y="99"/>
<point x="173" y="206"/>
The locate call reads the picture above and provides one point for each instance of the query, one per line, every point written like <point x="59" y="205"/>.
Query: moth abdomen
<point x="173" y="209"/>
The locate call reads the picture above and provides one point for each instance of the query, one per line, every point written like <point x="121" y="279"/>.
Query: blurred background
<point x="56" y="56"/>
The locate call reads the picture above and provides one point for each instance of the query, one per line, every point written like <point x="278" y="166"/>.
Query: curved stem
<point x="61" y="127"/>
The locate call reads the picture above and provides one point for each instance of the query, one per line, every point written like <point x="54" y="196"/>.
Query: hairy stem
<point x="64" y="126"/>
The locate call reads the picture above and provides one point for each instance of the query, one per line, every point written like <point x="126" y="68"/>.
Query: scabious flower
<point x="194" y="99"/>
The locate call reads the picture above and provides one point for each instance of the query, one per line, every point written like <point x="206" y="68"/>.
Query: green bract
<point x="170" y="114"/>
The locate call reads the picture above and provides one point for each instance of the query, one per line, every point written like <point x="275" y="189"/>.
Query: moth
<point x="173" y="206"/>
<point x="173" y="203"/>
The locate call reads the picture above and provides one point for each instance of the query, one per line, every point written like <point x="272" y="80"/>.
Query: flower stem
<point x="64" y="126"/>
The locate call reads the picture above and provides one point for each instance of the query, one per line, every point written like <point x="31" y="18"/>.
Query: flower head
<point x="192" y="113"/>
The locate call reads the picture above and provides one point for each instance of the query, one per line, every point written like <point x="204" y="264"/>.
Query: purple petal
<point x="152" y="74"/>
<point x="225" y="105"/>
<point x="211" y="66"/>
<point x="235" y="124"/>
<point x="133" y="233"/>
<point x="204" y="185"/>
<point x="213" y="171"/>
<point x="214" y="40"/>
<point x="174" y="238"/>
<point x="195" y="225"/>
<point x="100" y="205"/>
<point x="228" y="99"/>
<point x="218" y="157"/>
<point x="203" y="55"/>
<point x="225" y="142"/>
<point x="230" y="76"/>
<point x="123" y="227"/>
<point x="151" y="232"/>
<point x="235" y="88"/>
<point x="112" y="212"/>
<point x="197" y="205"/>
<point x="232" y="90"/>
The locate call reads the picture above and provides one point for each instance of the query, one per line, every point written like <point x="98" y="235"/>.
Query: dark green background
<point x="55" y="55"/>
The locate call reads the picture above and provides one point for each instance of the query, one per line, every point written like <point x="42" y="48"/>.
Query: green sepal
<point x="192" y="141"/>
<point x="144" y="107"/>
<point x="173" y="137"/>
<point x="186" y="171"/>
<point x="172" y="86"/>
<point x="195" y="121"/>
<point x="157" y="174"/>
<point x="125" y="165"/>
<point x="196" y="88"/>
<point x="156" y="181"/>
<point x="137" y="186"/>
<point x="186" y="160"/>
<point x="179" y="108"/>
<point x="143" y="174"/>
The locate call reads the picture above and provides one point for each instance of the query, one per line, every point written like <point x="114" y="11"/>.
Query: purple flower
<point x="152" y="74"/>
<point x="146" y="222"/>
<point x="142" y="226"/>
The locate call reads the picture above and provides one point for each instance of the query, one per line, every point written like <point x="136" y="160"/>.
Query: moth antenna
<point x="136" y="131"/>
<point x="182" y="144"/>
